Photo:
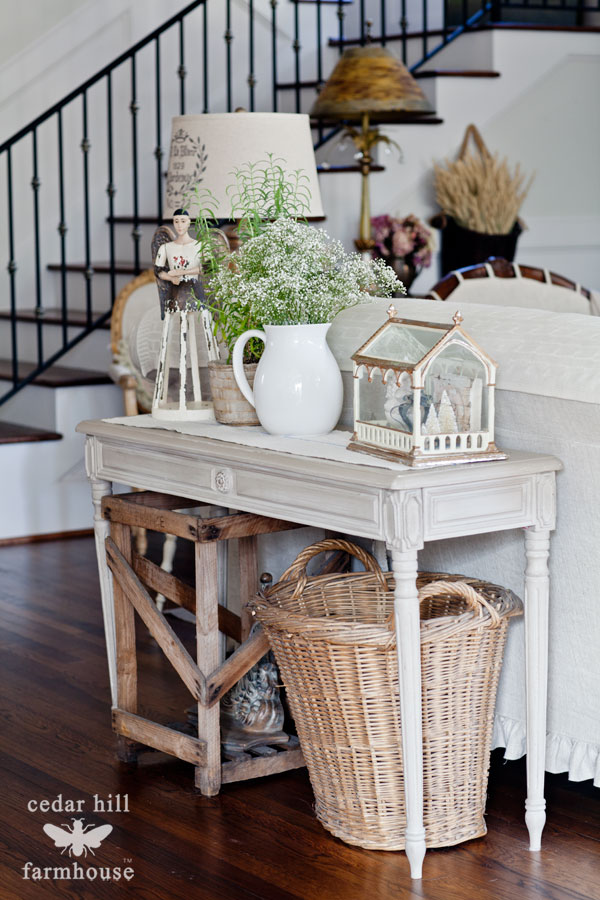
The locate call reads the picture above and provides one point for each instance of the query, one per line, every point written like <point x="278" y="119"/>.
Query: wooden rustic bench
<point x="208" y="678"/>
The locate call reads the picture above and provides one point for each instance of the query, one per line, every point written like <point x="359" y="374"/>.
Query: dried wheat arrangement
<point x="480" y="192"/>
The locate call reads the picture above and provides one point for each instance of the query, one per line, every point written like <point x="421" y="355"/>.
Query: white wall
<point x="541" y="111"/>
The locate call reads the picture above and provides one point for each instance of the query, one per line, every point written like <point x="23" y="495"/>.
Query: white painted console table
<point x="356" y="495"/>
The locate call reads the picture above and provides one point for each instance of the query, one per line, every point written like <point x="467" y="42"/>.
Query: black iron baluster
<point x="296" y="47"/>
<point x="425" y="35"/>
<point x="445" y="25"/>
<point x="158" y="151"/>
<point x="228" y="39"/>
<point x="274" y="51"/>
<point x="319" y="46"/>
<point x="320" y="81"/>
<point x="383" y="23"/>
<point x="134" y="107"/>
<point x="12" y="271"/>
<point x="181" y="71"/>
<point x="110" y="190"/>
<point x="341" y="15"/>
<point x="205" y="55"/>
<point x="403" y="28"/>
<point x="39" y="310"/>
<point x="251" y="76"/>
<point x="89" y="272"/>
<point x="363" y="33"/>
<point x="62" y="230"/>
<point x="465" y="11"/>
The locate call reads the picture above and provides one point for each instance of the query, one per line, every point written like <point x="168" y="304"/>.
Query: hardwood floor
<point x="257" y="840"/>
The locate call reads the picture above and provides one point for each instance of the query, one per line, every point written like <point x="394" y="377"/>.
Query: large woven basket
<point x="333" y="638"/>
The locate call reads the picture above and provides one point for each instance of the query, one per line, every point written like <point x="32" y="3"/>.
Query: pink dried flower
<point x="407" y="238"/>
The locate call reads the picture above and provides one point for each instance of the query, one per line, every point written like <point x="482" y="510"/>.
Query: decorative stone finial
<point x="457" y="317"/>
<point x="391" y="311"/>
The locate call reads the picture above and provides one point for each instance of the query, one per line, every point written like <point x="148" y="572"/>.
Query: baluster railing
<point x="126" y="95"/>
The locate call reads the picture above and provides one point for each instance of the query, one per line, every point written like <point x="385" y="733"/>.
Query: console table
<point x="356" y="495"/>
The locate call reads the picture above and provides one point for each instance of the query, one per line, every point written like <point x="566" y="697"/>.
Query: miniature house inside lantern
<point x="424" y="395"/>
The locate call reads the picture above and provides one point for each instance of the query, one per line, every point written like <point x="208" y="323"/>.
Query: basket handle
<point x="460" y="589"/>
<point x="473" y="131"/>
<point x="298" y="567"/>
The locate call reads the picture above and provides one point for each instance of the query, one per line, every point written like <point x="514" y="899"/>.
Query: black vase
<point x="462" y="247"/>
<point x="405" y="271"/>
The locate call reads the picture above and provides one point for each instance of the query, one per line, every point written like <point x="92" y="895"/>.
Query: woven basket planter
<point x="333" y="638"/>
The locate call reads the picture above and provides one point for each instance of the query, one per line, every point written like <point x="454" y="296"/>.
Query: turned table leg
<point x="408" y="638"/>
<point x="537" y="543"/>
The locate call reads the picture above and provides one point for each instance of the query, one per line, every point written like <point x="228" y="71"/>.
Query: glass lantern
<point x="424" y="395"/>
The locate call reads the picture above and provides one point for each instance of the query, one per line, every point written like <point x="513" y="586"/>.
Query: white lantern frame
<point x="412" y="446"/>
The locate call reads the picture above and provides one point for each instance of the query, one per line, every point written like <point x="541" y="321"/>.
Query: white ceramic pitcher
<point x="298" y="384"/>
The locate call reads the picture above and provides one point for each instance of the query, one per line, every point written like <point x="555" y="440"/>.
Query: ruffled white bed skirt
<point x="563" y="754"/>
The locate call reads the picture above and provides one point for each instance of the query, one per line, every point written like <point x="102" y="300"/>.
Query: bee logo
<point x="76" y="838"/>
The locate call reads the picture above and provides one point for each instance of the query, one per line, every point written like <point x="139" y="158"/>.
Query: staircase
<point x="82" y="184"/>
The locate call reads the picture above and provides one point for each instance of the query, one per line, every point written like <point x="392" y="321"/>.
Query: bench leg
<point x="125" y="641"/>
<point x="208" y="777"/>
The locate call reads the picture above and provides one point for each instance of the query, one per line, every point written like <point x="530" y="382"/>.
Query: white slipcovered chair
<point x="547" y="400"/>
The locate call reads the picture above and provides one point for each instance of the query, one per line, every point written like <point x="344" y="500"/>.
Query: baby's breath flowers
<point x="293" y="274"/>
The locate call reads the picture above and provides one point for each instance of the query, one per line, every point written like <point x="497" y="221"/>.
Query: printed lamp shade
<point x="206" y="149"/>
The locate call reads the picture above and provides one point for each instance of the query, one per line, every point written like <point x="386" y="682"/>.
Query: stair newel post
<point x="62" y="230"/>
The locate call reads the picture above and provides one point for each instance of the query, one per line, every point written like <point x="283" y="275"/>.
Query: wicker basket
<point x="333" y="638"/>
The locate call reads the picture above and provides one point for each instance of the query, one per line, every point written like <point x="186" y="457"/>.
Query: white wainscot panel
<point x="321" y="503"/>
<point x="474" y="509"/>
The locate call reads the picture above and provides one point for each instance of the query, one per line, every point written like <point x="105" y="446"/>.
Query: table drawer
<point x="283" y="495"/>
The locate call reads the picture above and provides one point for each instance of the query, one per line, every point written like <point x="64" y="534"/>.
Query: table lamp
<point x="369" y="84"/>
<point x="207" y="149"/>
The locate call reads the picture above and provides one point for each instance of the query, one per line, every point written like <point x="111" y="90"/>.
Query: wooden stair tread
<point x="11" y="433"/>
<point x="121" y="268"/>
<point x="456" y="73"/>
<point x="417" y="120"/>
<point x="55" y="376"/>
<point x="323" y="168"/>
<point x="534" y="26"/>
<point x="141" y="220"/>
<point x="76" y="318"/>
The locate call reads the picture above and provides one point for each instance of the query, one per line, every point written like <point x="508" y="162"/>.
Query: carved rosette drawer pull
<point x="223" y="481"/>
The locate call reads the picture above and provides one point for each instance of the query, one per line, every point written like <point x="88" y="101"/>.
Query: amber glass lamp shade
<point x="370" y="80"/>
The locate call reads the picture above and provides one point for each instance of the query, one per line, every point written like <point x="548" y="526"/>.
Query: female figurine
<point x="177" y="266"/>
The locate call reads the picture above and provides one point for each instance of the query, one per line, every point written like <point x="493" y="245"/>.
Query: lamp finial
<point x="457" y="317"/>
